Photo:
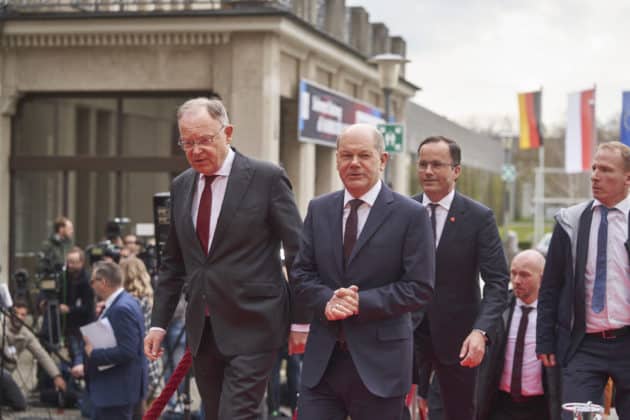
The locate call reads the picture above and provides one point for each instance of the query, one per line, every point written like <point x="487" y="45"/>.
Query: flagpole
<point x="539" y="195"/>
<point x="539" y="209"/>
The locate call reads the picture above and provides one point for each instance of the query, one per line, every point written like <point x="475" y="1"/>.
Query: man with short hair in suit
<point x="452" y="336"/>
<point x="366" y="261"/>
<point x="512" y="383"/>
<point x="584" y="303"/>
<point x="229" y="216"/>
<point x="117" y="376"/>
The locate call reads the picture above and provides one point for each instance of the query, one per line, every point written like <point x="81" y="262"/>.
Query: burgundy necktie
<point x="203" y="214"/>
<point x="519" y="350"/>
<point x="350" y="235"/>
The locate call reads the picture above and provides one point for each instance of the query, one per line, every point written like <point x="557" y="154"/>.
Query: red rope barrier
<point x="153" y="413"/>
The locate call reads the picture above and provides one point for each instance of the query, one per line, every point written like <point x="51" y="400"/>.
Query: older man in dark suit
<point x="229" y="216"/>
<point x="366" y="261"/>
<point x="452" y="337"/>
<point x="116" y="376"/>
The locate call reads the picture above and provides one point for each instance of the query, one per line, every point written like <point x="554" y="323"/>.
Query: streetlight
<point x="389" y="70"/>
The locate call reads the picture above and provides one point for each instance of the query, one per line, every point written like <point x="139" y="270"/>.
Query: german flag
<point x="529" y="112"/>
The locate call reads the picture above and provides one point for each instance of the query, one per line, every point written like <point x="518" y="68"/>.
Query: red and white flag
<point x="580" y="138"/>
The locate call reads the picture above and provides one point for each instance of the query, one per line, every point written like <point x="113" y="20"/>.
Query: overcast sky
<point x="471" y="57"/>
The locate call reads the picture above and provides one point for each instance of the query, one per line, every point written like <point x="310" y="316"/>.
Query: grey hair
<point x="379" y="141"/>
<point x="109" y="272"/>
<point x="214" y="106"/>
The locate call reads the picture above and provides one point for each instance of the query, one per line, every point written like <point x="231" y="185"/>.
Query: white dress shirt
<point x="218" y="194"/>
<point x="531" y="383"/>
<point x="616" y="312"/>
<point x="441" y="211"/>
<point x="363" y="210"/>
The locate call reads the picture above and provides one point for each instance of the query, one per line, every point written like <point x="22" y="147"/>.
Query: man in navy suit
<point x="451" y="338"/>
<point x="116" y="376"/>
<point x="366" y="261"/>
<point x="584" y="304"/>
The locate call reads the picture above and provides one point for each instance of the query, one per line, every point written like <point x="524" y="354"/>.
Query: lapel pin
<point x="452" y="219"/>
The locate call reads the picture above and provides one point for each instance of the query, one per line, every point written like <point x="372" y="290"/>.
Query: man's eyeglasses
<point x="204" y="141"/>
<point x="436" y="165"/>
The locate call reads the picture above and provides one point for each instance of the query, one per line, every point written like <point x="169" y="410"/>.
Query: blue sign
<point x="324" y="113"/>
<point x="624" y="132"/>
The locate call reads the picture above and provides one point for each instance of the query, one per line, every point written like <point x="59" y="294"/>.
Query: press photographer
<point x="17" y="338"/>
<point x="55" y="248"/>
<point x="77" y="303"/>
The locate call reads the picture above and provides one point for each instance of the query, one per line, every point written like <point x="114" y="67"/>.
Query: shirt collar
<point x="112" y="297"/>
<point x="445" y="202"/>
<point x="369" y="197"/>
<point x="534" y="304"/>
<point x="226" y="168"/>
<point x="623" y="206"/>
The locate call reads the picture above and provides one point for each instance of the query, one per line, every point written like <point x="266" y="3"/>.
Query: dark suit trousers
<point x="341" y="393"/>
<point x="587" y="372"/>
<point x="233" y="387"/>
<point x="531" y="408"/>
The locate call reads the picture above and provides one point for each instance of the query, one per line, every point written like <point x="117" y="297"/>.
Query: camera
<point x="98" y="252"/>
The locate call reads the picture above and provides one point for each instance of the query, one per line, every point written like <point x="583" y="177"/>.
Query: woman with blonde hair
<point x="137" y="282"/>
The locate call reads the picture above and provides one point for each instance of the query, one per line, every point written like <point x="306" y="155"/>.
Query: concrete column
<point x="335" y="23"/>
<point x="360" y="31"/>
<point x="399" y="46"/>
<point x="7" y="110"/>
<point x="380" y="38"/>
<point x="255" y="95"/>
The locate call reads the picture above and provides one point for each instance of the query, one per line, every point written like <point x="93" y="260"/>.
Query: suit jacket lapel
<point x="378" y="214"/>
<point x="581" y="255"/>
<point x="454" y="217"/>
<point x="238" y="183"/>
<point x="335" y="216"/>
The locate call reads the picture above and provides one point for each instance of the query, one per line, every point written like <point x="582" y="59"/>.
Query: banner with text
<point x="324" y="113"/>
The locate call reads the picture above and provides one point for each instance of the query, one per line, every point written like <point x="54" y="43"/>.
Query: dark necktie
<point x="350" y="235"/>
<point x="434" y="206"/>
<point x="599" y="288"/>
<point x="203" y="214"/>
<point x="519" y="350"/>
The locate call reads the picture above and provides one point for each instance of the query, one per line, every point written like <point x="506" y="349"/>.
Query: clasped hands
<point x="343" y="304"/>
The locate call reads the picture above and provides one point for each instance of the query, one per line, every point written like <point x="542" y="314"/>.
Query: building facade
<point x="89" y="89"/>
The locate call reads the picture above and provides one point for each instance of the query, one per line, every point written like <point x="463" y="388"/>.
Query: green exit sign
<point x="393" y="134"/>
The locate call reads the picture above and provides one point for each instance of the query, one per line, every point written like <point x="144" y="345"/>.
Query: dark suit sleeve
<point x="128" y="337"/>
<point x="287" y="224"/>
<point x="552" y="281"/>
<point x="493" y="270"/>
<point x="308" y="287"/>
<point x="171" y="276"/>
<point x="414" y="288"/>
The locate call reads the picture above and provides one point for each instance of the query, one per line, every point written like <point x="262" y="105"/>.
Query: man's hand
<point x="547" y="359"/>
<point x="64" y="309"/>
<point x="297" y="342"/>
<point x="88" y="346"/>
<point x="153" y="344"/>
<point x="60" y="384"/>
<point x="343" y="304"/>
<point x="99" y="308"/>
<point x="78" y="371"/>
<point x="473" y="349"/>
